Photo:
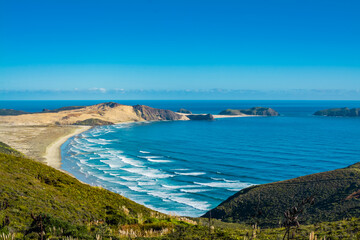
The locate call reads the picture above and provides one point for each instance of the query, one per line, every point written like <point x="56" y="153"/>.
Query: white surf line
<point x="53" y="151"/>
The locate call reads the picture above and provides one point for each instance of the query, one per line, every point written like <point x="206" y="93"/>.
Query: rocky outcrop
<point x="256" y="111"/>
<point x="93" y="122"/>
<point x="200" y="117"/>
<point x="154" y="114"/>
<point x="339" y="112"/>
<point x="183" y="110"/>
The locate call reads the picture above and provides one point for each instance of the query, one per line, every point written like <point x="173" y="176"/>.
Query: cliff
<point x="258" y="111"/>
<point x="336" y="194"/>
<point x="339" y="112"/>
<point x="154" y="114"/>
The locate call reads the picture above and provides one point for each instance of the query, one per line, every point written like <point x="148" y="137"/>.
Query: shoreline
<point x="52" y="154"/>
<point x="53" y="151"/>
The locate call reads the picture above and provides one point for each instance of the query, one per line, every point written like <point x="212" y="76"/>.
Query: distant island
<point x="339" y="112"/>
<point x="257" y="111"/>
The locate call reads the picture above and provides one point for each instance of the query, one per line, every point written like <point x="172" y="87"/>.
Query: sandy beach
<point x="53" y="152"/>
<point x="41" y="143"/>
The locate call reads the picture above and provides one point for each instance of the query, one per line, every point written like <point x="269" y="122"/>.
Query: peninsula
<point x="39" y="135"/>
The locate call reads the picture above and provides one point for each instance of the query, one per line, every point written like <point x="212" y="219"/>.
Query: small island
<point x="339" y="112"/>
<point x="255" y="111"/>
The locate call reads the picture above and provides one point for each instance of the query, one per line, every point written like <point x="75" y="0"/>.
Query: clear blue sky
<point x="83" y="47"/>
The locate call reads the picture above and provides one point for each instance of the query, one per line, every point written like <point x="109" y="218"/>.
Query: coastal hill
<point x="39" y="202"/>
<point x="339" y="112"/>
<point x="255" y="111"/>
<point x="36" y="198"/>
<point x="102" y="114"/>
<point x="336" y="194"/>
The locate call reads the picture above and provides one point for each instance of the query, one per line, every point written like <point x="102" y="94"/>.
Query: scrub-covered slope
<point x="32" y="194"/>
<point x="336" y="194"/>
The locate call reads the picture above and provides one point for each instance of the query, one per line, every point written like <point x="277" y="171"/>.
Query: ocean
<point x="188" y="167"/>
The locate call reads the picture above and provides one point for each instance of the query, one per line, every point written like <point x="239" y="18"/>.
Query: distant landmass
<point x="100" y="114"/>
<point x="339" y="112"/>
<point x="11" y="112"/>
<point x="258" y="111"/>
<point x="109" y="113"/>
<point x="336" y="194"/>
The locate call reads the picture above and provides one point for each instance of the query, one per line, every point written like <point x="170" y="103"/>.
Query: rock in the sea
<point x="201" y="117"/>
<point x="258" y="111"/>
<point x="183" y="110"/>
<point x="154" y="114"/>
<point x="339" y="112"/>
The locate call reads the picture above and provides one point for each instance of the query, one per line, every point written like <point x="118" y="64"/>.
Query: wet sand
<point x="41" y="143"/>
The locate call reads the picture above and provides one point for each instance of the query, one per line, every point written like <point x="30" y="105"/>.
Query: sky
<point x="179" y="49"/>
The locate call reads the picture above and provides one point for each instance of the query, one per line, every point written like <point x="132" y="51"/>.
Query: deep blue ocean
<point x="189" y="167"/>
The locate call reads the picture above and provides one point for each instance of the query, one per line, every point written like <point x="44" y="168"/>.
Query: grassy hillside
<point x="336" y="194"/>
<point x="38" y="202"/>
<point x="4" y="148"/>
<point x="35" y="196"/>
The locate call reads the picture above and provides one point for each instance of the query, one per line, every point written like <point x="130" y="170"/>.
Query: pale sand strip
<point x="53" y="151"/>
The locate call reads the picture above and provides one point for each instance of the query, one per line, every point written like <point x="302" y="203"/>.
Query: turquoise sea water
<point x="189" y="167"/>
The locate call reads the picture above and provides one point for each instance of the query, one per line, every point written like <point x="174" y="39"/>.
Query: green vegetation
<point x="39" y="202"/>
<point x="93" y="122"/>
<point x="345" y="229"/>
<point x="336" y="195"/>
<point x="35" y="198"/>
<point x="257" y="111"/>
<point x="339" y="112"/>
<point x="11" y="112"/>
<point x="4" y="148"/>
